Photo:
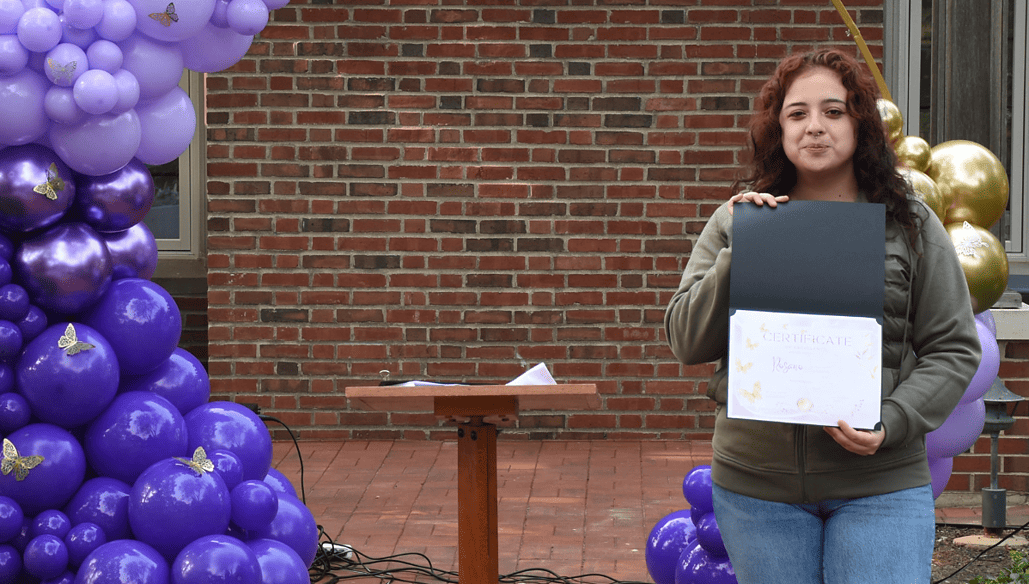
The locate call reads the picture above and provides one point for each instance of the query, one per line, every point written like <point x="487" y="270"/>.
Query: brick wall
<point x="459" y="191"/>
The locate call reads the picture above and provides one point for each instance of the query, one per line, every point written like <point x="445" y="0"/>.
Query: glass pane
<point x="163" y="218"/>
<point x="926" y="70"/>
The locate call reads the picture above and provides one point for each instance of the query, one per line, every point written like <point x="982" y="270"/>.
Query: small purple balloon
<point x="10" y="340"/>
<point x="280" y="482"/>
<point x="36" y="188"/>
<point x="181" y="379"/>
<point x="66" y="269"/>
<point x="54" y="478"/>
<point x="697" y="488"/>
<point x="958" y="432"/>
<point x="46" y="557"/>
<point x="940" y="470"/>
<point x="668" y="538"/>
<point x="254" y="504"/>
<point x="11" y="519"/>
<point x="116" y="201"/>
<point x="52" y="522"/>
<point x="986" y="317"/>
<point x="10" y="563"/>
<point x="216" y="559"/>
<point x="66" y="578"/>
<point x="133" y="252"/>
<point x="279" y="563"/>
<point x="7" y="385"/>
<point x="120" y="134"/>
<point x="123" y="561"/>
<point x="105" y="502"/>
<point x="32" y="324"/>
<point x="71" y="385"/>
<point x="6" y="271"/>
<point x="710" y="536"/>
<point x="228" y="465"/>
<point x="230" y="426"/>
<point x="14" y="412"/>
<point x="294" y="525"/>
<point x="989" y="364"/>
<point x="81" y="540"/>
<point x="14" y="302"/>
<point x="137" y="430"/>
<point x="697" y="565"/>
<point x="141" y="321"/>
<point x="65" y="63"/>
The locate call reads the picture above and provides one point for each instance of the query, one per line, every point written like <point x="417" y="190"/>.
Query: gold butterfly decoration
<point x="62" y="71"/>
<point x="764" y="329"/>
<point x="21" y="465"/>
<point x="753" y="395"/>
<point x="70" y="341"/>
<point x="743" y="368"/>
<point x="53" y="185"/>
<point x="167" y="17"/>
<point x="200" y="462"/>
<point x="751" y="344"/>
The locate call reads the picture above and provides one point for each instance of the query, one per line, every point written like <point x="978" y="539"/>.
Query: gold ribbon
<point x="864" y="49"/>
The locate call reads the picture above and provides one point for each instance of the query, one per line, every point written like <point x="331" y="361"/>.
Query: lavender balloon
<point x="66" y="269"/>
<point x="23" y="92"/>
<point x="36" y="188"/>
<point x="116" y="201"/>
<point x="141" y="321"/>
<point x="77" y="143"/>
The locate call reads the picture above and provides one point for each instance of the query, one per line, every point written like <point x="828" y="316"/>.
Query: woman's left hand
<point x="860" y="442"/>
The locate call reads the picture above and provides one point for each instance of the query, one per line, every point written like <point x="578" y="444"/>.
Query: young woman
<point x="803" y="504"/>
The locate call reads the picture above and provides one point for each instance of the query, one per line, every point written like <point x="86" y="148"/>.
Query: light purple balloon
<point x="66" y="269"/>
<point x="133" y="252"/>
<point x="116" y="201"/>
<point x="84" y="13"/>
<point x="118" y="20"/>
<point x="940" y="470"/>
<point x="275" y="4"/>
<point x="80" y="37"/>
<point x="181" y="379"/>
<point x="95" y="92"/>
<point x="214" y="49"/>
<point x="13" y="56"/>
<point x="986" y="317"/>
<point x="59" y="105"/>
<point x="247" y="17"/>
<point x="167" y="124"/>
<point x="10" y="13"/>
<point x="39" y="29"/>
<point x="76" y="144"/>
<point x="24" y="170"/>
<point x="105" y="55"/>
<point x="23" y="92"/>
<point x="157" y="66"/>
<point x="218" y="18"/>
<point x="989" y="365"/>
<point x="959" y="431"/>
<point x="186" y="23"/>
<point x="65" y="63"/>
<point x="128" y="92"/>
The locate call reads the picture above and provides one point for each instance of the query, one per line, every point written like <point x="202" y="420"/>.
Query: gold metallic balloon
<point x="984" y="261"/>
<point x="893" y="120"/>
<point x="925" y="189"/>
<point x="973" y="179"/>
<point x="913" y="152"/>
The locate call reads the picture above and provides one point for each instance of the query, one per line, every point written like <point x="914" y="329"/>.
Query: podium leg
<point x="477" y="503"/>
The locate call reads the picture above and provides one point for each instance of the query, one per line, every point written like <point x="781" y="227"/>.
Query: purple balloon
<point x="116" y="201"/>
<point x="254" y="504"/>
<point x="247" y="17"/>
<point x="68" y="390"/>
<point x="60" y="106"/>
<point x="10" y="563"/>
<point x="133" y="252"/>
<point x="218" y="18"/>
<point x="161" y="517"/>
<point x="986" y="317"/>
<point x="214" y="49"/>
<point x="939" y="470"/>
<point x="80" y="37"/>
<point x="95" y="92"/>
<point x="66" y="269"/>
<point x="14" y="302"/>
<point x="6" y="271"/>
<point x="14" y="413"/>
<point x="11" y="519"/>
<point x="46" y="557"/>
<point x="81" y="541"/>
<point x="280" y="482"/>
<point x="228" y="466"/>
<point x="118" y="20"/>
<point x="696" y="487"/>
<point x="989" y="364"/>
<point x="697" y="565"/>
<point x="959" y="431"/>
<point x="294" y="525"/>
<point x="13" y="56"/>
<point x="52" y="482"/>
<point x="141" y="321"/>
<point x="279" y="563"/>
<point x="39" y="29"/>
<point x="24" y="172"/>
<point x="10" y="12"/>
<point x="65" y="63"/>
<point x="10" y="340"/>
<point x="230" y="426"/>
<point x="66" y="578"/>
<point x="128" y="92"/>
<point x="84" y="14"/>
<point x="51" y="522"/>
<point x="104" y="55"/>
<point x="32" y="324"/>
<point x="181" y="379"/>
<point x="157" y="66"/>
<point x="76" y="143"/>
<point x="23" y="92"/>
<point x="121" y="562"/>
<point x="668" y="538"/>
<point x="167" y="125"/>
<point x="216" y="559"/>
<point x="105" y="502"/>
<point x="710" y="537"/>
<point x="137" y="430"/>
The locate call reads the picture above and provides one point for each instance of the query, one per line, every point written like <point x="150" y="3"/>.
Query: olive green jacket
<point x="930" y="353"/>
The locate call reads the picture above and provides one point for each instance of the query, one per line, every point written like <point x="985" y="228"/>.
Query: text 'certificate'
<point x="805" y="368"/>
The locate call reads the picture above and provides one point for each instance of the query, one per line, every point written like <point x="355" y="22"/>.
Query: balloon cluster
<point x="685" y="547"/>
<point x="76" y="74"/>
<point x="966" y="186"/>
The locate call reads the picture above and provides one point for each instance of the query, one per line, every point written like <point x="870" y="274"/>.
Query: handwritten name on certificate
<point x="805" y="368"/>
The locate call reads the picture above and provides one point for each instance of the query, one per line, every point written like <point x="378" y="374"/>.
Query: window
<point x="177" y="217"/>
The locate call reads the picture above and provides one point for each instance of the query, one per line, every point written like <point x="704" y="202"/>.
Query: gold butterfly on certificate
<point x="753" y="395"/>
<point x="200" y="462"/>
<point x="53" y="185"/>
<point x="21" y="465"/>
<point x="167" y="17"/>
<point x="71" y="343"/>
<point x="743" y="368"/>
<point x="751" y="344"/>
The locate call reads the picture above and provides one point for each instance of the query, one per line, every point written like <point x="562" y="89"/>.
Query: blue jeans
<point x="883" y="539"/>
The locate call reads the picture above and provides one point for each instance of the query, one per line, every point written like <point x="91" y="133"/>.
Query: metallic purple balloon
<point x="66" y="269"/>
<point x="27" y="183"/>
<point x="133" y="251"/>
<point x="116" y="201"/>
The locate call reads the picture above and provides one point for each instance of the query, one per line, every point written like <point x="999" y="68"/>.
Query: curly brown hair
<point x="875" y="162"/>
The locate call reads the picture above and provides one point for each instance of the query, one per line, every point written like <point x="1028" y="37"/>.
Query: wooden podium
<point x="474" y="407"/>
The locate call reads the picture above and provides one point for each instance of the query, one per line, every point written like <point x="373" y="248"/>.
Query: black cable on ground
<point x="982" y="553"/>
<point x="303" y="494"/>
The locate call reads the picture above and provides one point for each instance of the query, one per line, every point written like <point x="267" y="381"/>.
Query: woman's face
<point x="818" y="134"/>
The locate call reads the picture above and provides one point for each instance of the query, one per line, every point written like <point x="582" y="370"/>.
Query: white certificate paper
<point x="805" y="368"/>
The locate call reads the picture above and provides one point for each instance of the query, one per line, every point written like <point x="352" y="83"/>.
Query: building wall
<point x="457" y="192"/>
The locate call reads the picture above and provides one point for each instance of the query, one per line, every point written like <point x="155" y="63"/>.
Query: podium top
<point x="424" y="397"/>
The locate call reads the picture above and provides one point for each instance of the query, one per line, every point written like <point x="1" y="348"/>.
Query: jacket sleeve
<point x="944" y="339"/>
<point x="697" y="317"/>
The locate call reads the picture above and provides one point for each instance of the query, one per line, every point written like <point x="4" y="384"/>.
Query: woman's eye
<point x="796" y="114"/>
<point x="835" y="112"/>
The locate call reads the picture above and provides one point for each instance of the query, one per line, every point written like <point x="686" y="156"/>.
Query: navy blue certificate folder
<point x="811" y="257"/>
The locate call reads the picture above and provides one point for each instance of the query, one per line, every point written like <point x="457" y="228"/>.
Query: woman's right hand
<point x="758" y="199"/>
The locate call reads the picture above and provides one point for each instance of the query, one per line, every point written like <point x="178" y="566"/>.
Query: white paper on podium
<point x="538" y="375"/>
<point x="805" y="368"/>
